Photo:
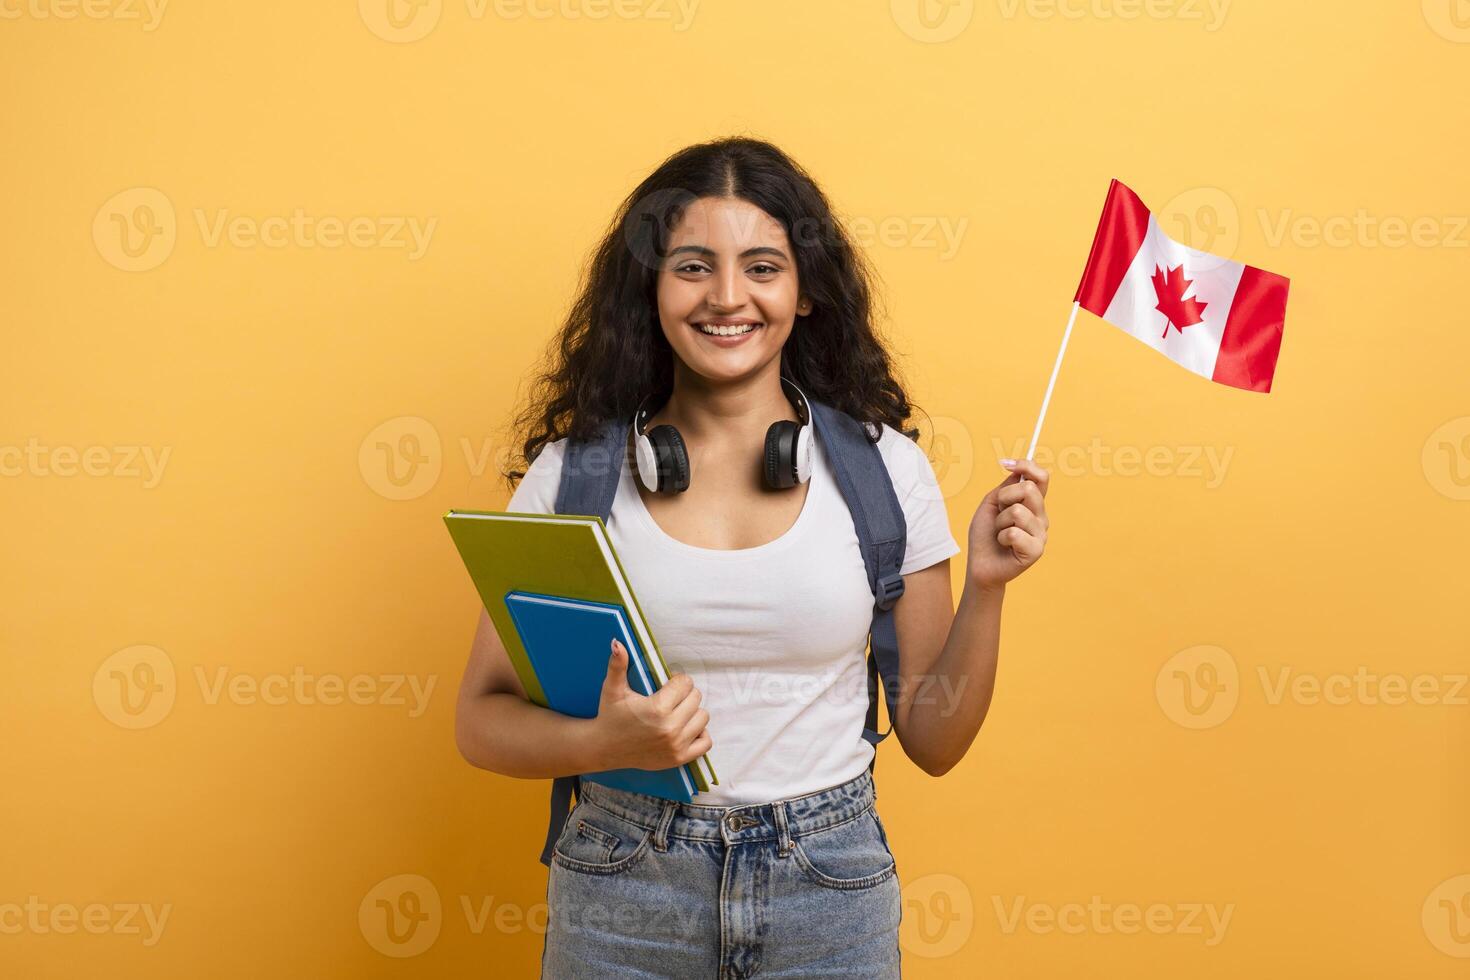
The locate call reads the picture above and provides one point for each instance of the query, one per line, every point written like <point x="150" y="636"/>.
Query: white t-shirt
<point x="774" y="637"/>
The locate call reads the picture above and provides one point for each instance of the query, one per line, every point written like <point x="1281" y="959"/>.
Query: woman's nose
<point x="727" y="290"/>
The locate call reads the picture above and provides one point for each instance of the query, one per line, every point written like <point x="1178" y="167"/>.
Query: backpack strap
<point x="882" y="533"/>
<point x="590" y="471"/>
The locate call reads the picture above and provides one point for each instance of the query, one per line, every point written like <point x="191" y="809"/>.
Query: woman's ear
<point x="803" y="306"/>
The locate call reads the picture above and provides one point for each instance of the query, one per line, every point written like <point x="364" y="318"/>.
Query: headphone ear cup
<point x="647" y="464"/>
<point x="781" y="454"/>
<point x="804" y="441"/>
<point x="663" y="462"/>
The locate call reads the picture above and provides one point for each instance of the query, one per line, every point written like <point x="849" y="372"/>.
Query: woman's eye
<point x="690" y="267"/>
<point x="764" y="269"/>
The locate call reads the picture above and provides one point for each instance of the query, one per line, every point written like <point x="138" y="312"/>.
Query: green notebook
<point x="567" y="555"/>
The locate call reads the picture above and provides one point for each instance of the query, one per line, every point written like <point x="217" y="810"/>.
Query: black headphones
<point x="663" y="462"/>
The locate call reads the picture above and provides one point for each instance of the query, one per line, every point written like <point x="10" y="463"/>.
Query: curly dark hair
<point x="611" y="351"/>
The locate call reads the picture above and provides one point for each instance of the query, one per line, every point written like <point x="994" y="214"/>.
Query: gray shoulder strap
<point x="590" y="471"/>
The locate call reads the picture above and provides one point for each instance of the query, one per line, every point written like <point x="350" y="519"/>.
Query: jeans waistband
<point x="748" y="822"/>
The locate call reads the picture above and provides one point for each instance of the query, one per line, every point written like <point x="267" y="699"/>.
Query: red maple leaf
<point x="1178" y="311"/>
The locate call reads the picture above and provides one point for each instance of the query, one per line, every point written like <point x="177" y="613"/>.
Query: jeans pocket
<point x="852" y="854"/>
<point x="595" y="841"/>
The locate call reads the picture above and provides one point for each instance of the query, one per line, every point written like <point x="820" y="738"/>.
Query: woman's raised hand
<point x="1008" y="532"/>
<point x="657" y="731"/>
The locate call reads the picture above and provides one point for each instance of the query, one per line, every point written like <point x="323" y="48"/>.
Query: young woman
<point x="723" y="291"/>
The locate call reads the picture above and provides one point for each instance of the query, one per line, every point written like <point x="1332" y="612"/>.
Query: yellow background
<point x="1331" y="545"/>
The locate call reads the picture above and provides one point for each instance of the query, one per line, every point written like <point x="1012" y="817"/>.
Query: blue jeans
<point x="645" y="887"/>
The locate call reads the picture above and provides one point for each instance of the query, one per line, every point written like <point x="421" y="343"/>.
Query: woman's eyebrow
<point x="762" y="250"/>
<point x="708" y="252"/>
<point x="704" y="251"/>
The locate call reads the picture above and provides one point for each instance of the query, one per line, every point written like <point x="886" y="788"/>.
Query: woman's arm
<point x="497" y="728"/>
<point x="949" y="656"/>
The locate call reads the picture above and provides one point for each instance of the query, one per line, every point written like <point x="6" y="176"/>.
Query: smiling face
<point x="727" y="291"/>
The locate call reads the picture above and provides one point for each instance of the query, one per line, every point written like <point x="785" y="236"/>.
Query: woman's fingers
<point x="1026" y="546"/>
<point x="682" y="711"/>
<point x="697" y="748"/>
<point x="1018" y="515"/>
<point x="675" y="689"/>
<point x="1028" y="469"/>
<point x="1027" y="493"/>
<point x="694" y="726"/>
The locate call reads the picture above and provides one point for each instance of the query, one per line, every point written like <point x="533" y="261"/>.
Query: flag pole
<point x="1045" y="401"/>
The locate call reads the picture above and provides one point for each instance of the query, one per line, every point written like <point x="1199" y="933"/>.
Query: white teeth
<point x="727" y="331"/>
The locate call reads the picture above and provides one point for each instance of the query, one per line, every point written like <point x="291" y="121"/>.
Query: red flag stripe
<point x="1252" y="335"/>
<point x="1120" y="234"/>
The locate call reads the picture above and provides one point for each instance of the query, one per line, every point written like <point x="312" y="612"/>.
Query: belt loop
<point x="783" y="833"/>
<point x="661" y="832"/>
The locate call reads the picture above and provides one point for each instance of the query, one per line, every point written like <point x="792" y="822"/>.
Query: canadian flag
<point x="1218" y="318"/>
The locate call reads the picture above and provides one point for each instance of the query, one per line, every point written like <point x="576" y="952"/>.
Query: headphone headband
<point x="798" y="402"/>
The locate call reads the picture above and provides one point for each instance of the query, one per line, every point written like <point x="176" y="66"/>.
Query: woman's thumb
<point x="617" y="665"/>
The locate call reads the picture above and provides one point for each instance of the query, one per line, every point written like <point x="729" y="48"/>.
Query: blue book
<point x="568" y="642"/>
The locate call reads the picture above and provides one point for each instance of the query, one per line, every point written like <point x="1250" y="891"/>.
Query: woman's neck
<point x="715" y="413"/>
